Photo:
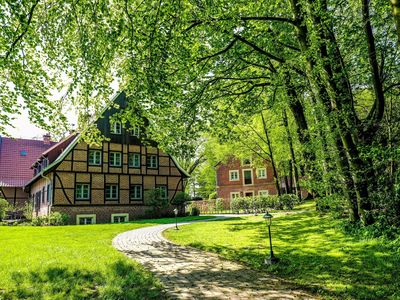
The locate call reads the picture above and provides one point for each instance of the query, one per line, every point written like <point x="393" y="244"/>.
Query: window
<point x="247" y="177"/>
<point x="246" y="162"/>
<point x="38" y="196"/>
<point x="82" y="191"/>
<point x="45" y="163"/>
<point x="261" y="173"/>
<point x="94" y="157"/>
<point x="152" y="161"/>
<point x="263" y="193"/>
<point x="48" y="193"/>
<point x="135" y="192"/>
<point x="134" y="160"/>
<point x="111" y="192"/>
<point x="235" y="195"/>
<point x="115" y="159"/>
<point x="135" y="131"/>
<point x="119" y="218"/>
<point x="249" y="194"/>
<point x="85" y="219"/>
<point x="163" y="191"/>
<point x="43" y="189"/>
<point x="116" y="128"/>
<point x="233" y="175"/>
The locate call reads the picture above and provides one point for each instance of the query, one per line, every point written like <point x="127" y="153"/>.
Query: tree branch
<point x="230" y="45"/>
<point x="19" y="37"/>
<point x="195" y="23"/>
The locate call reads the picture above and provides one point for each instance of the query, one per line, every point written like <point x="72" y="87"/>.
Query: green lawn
<point x="313" y="252"/>
<point x="72" y="262"/>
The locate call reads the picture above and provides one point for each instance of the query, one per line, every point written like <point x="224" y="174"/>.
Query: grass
<point x="73" y="262"/>
<point x="314" y="252"/>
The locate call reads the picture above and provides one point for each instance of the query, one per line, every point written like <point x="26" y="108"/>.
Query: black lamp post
<point x="272" y="259"/>
<point x="176" y="218"/>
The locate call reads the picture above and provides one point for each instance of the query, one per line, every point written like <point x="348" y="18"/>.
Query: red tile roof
<point x="16" y="159"/>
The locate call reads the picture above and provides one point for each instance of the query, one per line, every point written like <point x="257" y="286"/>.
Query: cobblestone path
<point x="188" y="273"/>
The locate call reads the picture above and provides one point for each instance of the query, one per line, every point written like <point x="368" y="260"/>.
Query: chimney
<point x="46" y="139"/>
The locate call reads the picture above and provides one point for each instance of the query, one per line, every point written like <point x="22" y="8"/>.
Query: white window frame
<point x="163" y="190"/>
<point x="96" y="156"/>
<point x="134" y="154"/>
<point x="252" y="177"/>
<point x="111" y="192"/>
<point x="135" y="131"/>
<point x="80" y="190"/>
<point x="263" y="191"/>
<point x="232" y="172"/>
<point x="116" y="127"/>
<point x="265" y="173"/>
<point x="235" y="195"/>
<point x="141" y="192"/>
<point x="126" y="216"/>
<point x="78" y="217"/>
<point x="153" y="164"/>
<point x="113" y="160"/>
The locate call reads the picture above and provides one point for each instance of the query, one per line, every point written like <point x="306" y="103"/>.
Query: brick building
<point x="106" y="183"/>
<point x="16" y="159"/>
<point x="239" y="178"/>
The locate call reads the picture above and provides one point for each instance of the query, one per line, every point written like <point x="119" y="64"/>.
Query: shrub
<point x="39" y="221"/>
<point x="194" y="211"/>
<point x="213" y="195"/>
<point x="4" y="207"/>
<point x="27" y="211"/>
<point x="286" y="201"/>
<point x="181" y="198"/>
<point x="335" y="204"/>
<point x="58" y="219"/>
<point x="153" y="198"/>
<point x="219" y="204"/>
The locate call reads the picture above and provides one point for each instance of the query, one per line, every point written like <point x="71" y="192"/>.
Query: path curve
<point x="188" y="273"/>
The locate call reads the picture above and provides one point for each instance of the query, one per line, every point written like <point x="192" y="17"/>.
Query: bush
<point x="219" y="204"/>
<point x="39" y="221"/>
<point x="335" y="204"/>
<point x="287" y="201"/>
<point x="54" y="219"/>
<point x="181" y="198"/>
<point x="153" y="198"/>
<point x="58" y="219"/>
<point x="194" y="211"/>
<point x="27" y="211"/>
<point x="4" y="207"/>
<point x="213" y="195"/>
<point x="263" y="203"/>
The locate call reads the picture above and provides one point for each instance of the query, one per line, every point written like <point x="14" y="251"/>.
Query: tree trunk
<point x="272" y="156"/>
<point x="396" y="15"/>
<point x="293" y="165"/>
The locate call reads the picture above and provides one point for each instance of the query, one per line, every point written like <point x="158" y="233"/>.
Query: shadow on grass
<point x="121" y="281"/>
<point x="314" y="253"/>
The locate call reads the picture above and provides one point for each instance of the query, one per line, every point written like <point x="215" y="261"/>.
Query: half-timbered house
<point x="102" y="184"/>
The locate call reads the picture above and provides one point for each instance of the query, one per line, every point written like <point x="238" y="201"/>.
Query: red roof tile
<point x="16" y="159"/>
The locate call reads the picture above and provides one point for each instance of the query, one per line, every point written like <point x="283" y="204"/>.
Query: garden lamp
<point x="176" y="218"/>
<point x="272" y="259"/>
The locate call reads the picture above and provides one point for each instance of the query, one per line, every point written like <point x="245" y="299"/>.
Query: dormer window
<point x="116" y="128"/>
<point x="135" y="131"/>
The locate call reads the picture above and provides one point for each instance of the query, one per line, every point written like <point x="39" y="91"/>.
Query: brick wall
<point x="225" y="186"/>
<point x="103" y="213"/>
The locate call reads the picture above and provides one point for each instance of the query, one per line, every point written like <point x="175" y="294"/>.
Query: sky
<point x="23" y="128"/>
